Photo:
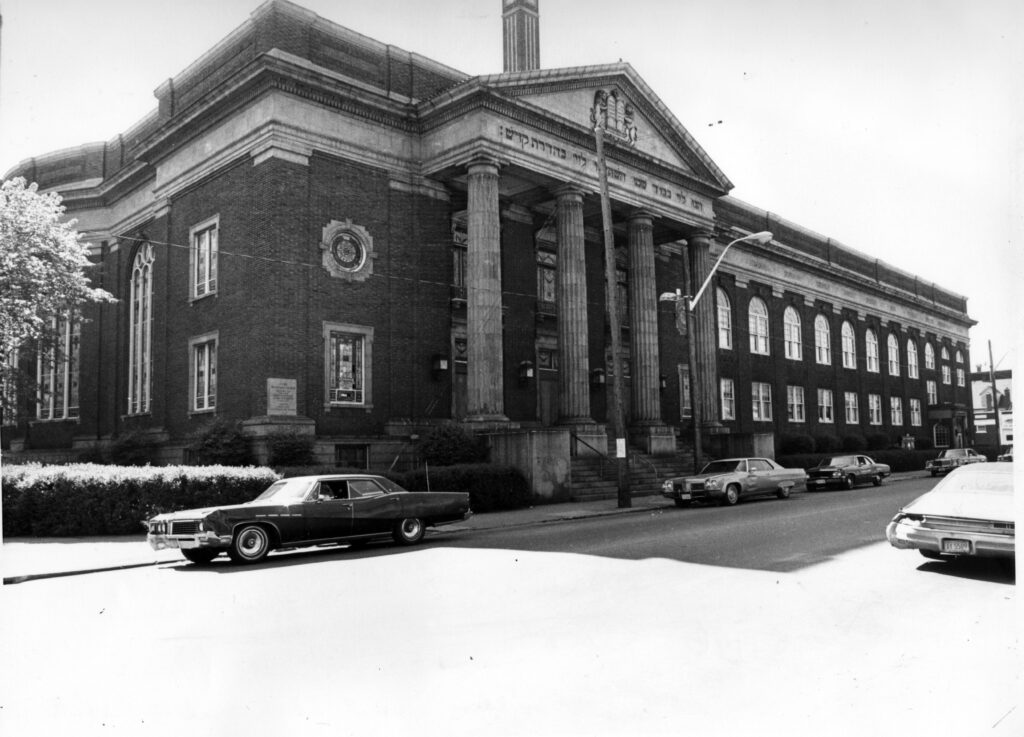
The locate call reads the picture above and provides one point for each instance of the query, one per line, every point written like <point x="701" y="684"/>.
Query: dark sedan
<point x="307" y="510"/>
<point x="846" y="471"/>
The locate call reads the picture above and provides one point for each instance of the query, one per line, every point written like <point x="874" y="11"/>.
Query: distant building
<point x="320" y="232"/>
<point x="993" y="409"/>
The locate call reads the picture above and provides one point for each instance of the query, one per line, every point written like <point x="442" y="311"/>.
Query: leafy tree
<point x="42" y="270"/>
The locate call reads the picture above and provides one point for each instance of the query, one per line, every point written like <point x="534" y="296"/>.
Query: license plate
<point x="685" y="496"/>
<point x="956" y="546"/>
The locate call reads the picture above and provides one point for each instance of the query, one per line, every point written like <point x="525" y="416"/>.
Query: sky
<point x="891" y="126"/>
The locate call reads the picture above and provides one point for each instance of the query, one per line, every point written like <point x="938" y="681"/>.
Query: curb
<point x="9" y="580"/>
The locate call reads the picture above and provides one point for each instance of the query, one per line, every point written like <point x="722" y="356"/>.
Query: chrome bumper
<point x="199" y="540"/>
<point x="909" y="535"/>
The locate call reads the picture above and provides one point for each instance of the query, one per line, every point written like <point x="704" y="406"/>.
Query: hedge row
<point x="899" y="460"/>
<point x="90" y="499"/>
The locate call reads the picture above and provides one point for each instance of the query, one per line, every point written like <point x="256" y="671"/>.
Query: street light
<point x="685" y="301"/>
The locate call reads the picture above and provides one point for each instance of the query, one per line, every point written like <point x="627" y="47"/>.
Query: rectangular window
<point x="204" y="238"/>
<point x="546" y="277"/>
<point x="762" y="401"/>
<point x="915" y="412"/>
<point x="795" y="403"/>
<point x="347" y="364"/>
<point x="961" y="378"/>
<point x="351" y="456"/>
<point x="203" y="373"/>
<point x="875" y="409"/>
<point x="57" y="372"/>
<point x="826" y="412"/>
<point x="933" y="391"/>
<point x="946" y="375"/>
<point x="728" y="396"/>
<point x="852" y="410"/>
<point x="685" y="406"/>
<point x="896" y="411"/>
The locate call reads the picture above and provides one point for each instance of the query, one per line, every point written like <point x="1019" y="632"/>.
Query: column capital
<point x="483" y="163"/>
<point x="641" y="214"/>
<point x="569" y="191"/>
<point x="703" y="234"/>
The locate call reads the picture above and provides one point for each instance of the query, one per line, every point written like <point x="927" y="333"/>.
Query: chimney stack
<point x="521" y="31"/>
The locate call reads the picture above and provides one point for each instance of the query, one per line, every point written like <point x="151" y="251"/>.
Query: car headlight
<point x="713" y="483"/>
<point x="837" y="474"/>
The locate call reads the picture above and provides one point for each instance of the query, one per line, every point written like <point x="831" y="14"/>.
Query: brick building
<point x="315" y="230"/>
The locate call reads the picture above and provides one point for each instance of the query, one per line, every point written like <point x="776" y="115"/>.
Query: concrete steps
<point x="595" y="478"/>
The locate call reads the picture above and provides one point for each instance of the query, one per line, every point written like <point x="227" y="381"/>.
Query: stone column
<point x="643" y="322"/>
<point x="573" y="345"/>
<point x="485" y="380"/>
<point x="705" y="328"/>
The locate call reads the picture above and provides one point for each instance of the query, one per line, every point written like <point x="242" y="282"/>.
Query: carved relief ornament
<point x="347" y="250"/>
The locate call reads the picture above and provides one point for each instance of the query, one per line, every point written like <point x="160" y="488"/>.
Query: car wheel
<point x="783" y="492"/>
<point x="732" y="495"/>
<point x="682" y="502"/>
<point x="876" y="480"/>
<point x="934" y="474"/>
<point x="930" y="554"/>
<point x="849" y="482"/>
<point x="199" y="556"/>
<point x="250" y="545"/>
<point x="409" y="531"/>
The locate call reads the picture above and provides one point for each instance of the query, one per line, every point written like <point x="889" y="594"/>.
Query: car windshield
<point x="973" y="480"/>
<point x="722" y="467"/>
<point x="953" y="453"/>
<point x="286" y="490"/>
<point x="838" y="461"/>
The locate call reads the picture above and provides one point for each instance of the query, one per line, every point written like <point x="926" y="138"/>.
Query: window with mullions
<point x="757" y="314"/>
<point x="849" y="346"/>
<point x="204" y="255"/>
<point x="826" y="410"/>
<point x="933" y="392"/>
<point x="961" y="377"/>
<point x="929" y="356"/>
<point x="875" y="409"/>
<point x="852" y="408"/>
<point x="347" y="364"/>
<point x="727" y="392"/>
<point x="795" y="403"/>
<point x="915" y="412"/>
<point x="893" y="351"/>
<point x="871" y="350"/>
<point x="724" y="318"/>
<point x="546" y="277"/>
<point x="896" y="411"/>
<point x="822" y="341"/>
<point x="203" y="373"/>
<point x="761" y="395"/>
<point x="140" y="325"/>
<point x="947" y="376"/>
<point x="57" y="372"/>
<point x="912" y="367"/>
<point x="791" y="335"/>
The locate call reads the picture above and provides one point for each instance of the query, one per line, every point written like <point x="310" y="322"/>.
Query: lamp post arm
<point x="763" y="237"/>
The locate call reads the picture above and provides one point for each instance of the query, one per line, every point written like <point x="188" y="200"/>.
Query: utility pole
<point x="995" y="399"/>
<point x="611" y="288"/>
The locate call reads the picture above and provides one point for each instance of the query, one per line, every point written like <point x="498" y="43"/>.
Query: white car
<point x="968" y="513"/>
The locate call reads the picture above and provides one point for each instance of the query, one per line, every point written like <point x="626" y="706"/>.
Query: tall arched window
<point x="945" y="353"/>
<point x="849" y="346"/>
<point x="912" y="371"/>
<point x="140" y="323"/>
<point x="758" y="323"/>
<point x="822" y="341"/>
<point x="959" y="357"/>
<point x="724" y="318"/>
<point x="929" y="356"/>
<point x="893" y="346"/>
<point x="791" y="336"/>
<point x="871" y="350"/>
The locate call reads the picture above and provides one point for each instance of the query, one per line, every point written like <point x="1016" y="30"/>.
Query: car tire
<point x="199" y="556"/>
<point x="934" y="474"/>
<point x="849" y="482"/>
<point x="409" y="531"/>
<point x="732" y="495"/>
<point x="876" y="480"/>
<point x="783" y="492"/>
<point x="250" y="544"/>
<point x="682" y="502"/>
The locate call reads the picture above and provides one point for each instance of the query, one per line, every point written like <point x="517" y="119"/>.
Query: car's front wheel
<point x="783" y="492"/>
<point x="849" y="482"/>
<point x="200" y="556"/>
<point x="250" y="545"/>
<point x="732" y="494"/>
<point x="409" y="531"/>
<point x="877" y="480"/>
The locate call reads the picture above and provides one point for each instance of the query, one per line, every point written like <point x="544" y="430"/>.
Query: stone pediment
<point x="635" y="116"/>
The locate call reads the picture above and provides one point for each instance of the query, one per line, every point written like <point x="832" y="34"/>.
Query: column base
<point x="654" y="438"/>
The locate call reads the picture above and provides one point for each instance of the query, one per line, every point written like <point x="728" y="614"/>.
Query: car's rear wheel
<point x="732" y="495"/>
<point x="409" y="531"/>
<point x="200" y="556"/>
<point x="877" y="480"/>
<point x="783" y="492"/>
<point x="250" y="545"/>
<point x="849" y="481"/>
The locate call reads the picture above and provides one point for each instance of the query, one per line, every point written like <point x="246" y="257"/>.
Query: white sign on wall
<point x="281" y="397"/>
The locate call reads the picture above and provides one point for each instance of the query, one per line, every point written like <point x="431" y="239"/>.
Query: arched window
<point x="929" y="356"/>
<point x="849" y="346"/>
<point x="871" y="350"/>
<point x="724" y="318"/>
<point x="758" y="323"/>
<point x="140" y="321"/>
<point x="959" y="356"/>
<point x="912" y="371"/>
<point x="893" y="346"/>
<point x="791" y="336"/>
<point x="822" y="341"/>
<point x="945" y="353"/>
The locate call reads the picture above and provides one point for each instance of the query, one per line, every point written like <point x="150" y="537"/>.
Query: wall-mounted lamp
<point x="597" y="377"/>
<point x="525" y="372"/>
<point x="439" y="365"/>
<point x="663" y="382"/>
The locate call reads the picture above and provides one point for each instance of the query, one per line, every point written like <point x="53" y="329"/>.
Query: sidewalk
<point x="26" y="559"/>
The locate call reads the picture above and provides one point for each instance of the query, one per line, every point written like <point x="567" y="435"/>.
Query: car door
<point x="328" y="511"/>
<point x="864" y="468"/>
<point x="759" y="476"/>
<point x="374" y="508"/>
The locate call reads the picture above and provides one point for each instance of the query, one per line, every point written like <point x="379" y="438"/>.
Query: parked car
<point x="846" y="472"/>
<point x="729" y="480"/>
<point x="307" y="510"/>
<point x="969" y="512"/>
<point x="953" y="458"/>
<point x="1007" y="455"/>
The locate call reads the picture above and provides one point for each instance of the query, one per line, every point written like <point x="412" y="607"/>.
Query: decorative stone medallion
<point x="347" y="250"/>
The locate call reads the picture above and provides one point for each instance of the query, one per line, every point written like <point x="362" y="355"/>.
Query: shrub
<point x="291" y="449"/>
<point x="796" y="443"/>
<point x="449" y="444"/>
<point x="878" y="441"/>
<point x="491" y="488"/>
<point x="923" y="442"/>
<point x="132" y="448"/>
<point x="220" y="443"/>
<point x="854" y="443"/>
<point x="826" y="443"/>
